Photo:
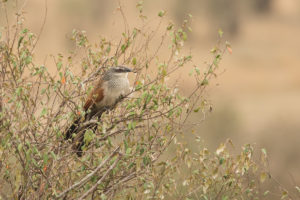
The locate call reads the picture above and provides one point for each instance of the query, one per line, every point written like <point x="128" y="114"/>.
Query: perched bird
<point x="113" y="85"/>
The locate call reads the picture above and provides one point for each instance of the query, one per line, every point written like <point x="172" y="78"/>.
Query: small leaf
<point x="197" y="109"/>
<point x="88" y="136"/>
<point x="108" y="49"/>
<point x="123" y="48"/>
<point x="204" y="82"/>
<point x="134" y="61"/>
<point x="25" y="30"/>
<point x="18" y="91"/>
<point x="146" y="160"/>
<point x="20" y="41"/>
<point x="128" y="151"/>
<point x="45" y="158"/>
<point x="63" y="80"/>
<point x="170" y="26"/>
<point x="53" y="155"/>
<point x="221" y="161"/>
<point x="20" y="147"/>
<point x="220" y="149"/>
<point x="229" y="50"/>
<point x="59" y="65"/>
<point x="220" y="31"/>
<point x="197" y="70"/>
<point x="161" y="13"/>
<point x="284" y="194"/>
<point x="263" y="177"/>
<point x="44" y="112"/>
<point x="266" y="193"/>
<point x="264" y="151"/>
<point x="103" y="197"/>
<point x="45" y="168"/>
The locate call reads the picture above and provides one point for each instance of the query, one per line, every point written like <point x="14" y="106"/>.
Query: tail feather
<point x="78" y="140"/>
<point x="72" y="129"/>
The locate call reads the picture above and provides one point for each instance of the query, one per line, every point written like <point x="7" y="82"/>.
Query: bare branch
<point x="87" y="177"/>
<point x="92" y="189"/>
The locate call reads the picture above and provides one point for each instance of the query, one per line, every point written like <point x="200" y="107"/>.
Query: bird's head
<point x="120" y="69"/>
<point x="116" y="71"/>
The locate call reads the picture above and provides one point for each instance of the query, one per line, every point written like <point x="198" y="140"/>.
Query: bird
<point x="107" y="91"/>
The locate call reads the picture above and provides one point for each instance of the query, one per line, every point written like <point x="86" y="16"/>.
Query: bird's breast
<point x="113" y="89"/>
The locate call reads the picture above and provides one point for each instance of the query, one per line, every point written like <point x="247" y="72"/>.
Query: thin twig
<point x="42" y="27"/>
<point x="92" y="189"/>
<point x="87" y="177"/>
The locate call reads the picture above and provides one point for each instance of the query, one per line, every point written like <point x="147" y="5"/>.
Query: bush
<point x="135" y="153"/>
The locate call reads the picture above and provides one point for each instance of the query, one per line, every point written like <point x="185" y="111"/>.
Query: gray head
<point x="117" y="71"/>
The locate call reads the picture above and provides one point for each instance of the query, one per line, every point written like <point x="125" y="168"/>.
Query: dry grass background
<point x="255" y="100"/>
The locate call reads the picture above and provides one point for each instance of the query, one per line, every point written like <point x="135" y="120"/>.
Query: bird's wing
<point x="96" y="96"/>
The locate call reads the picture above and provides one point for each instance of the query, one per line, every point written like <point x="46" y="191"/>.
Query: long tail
<point x="72" y="129"/>
<point x="78" y="140"/>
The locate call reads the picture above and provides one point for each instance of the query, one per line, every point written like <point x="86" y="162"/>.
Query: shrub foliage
<point x="135" y="153"/>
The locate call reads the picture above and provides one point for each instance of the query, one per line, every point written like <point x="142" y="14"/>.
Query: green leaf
<point x="170" y="26"/>
<point x="220" y="31"/>
<point x="225" y="198"/>
<point x="197" y="70"/>
<point x="184" y="36"/>
<point x="25" y="30"/>
<point x="128" y="151"/>
<point x="204" y="82"/>
<point x="264" y="151"/>
<point x="161" y="13"/>
<point x="20" y="147"/>
<point x="53" y="155"/>
<point x="142" y="150"/>
<point x="59" y="65"/>
<point x="125" y="145"/>
<point x="88" y="136"/>
<point x="108" y="49"/>
<point x="221" y="161"/>
<point x="103" y="196"/>
<point x="284" y="194"/>
<point x="28" y="60"/>
<point x="134" y="61"/>
<point x="45" y="158"/>
<point x="197" y="109"/>
<point x="266" y="193"/>
<point x="44" y="112"/>
<point x="131" y="125"/>
<point x="34" y="162"/>
<point x="18" y="91"/>
<point x="20" y="41"/>
<point x="263" y="177"/>
<point x="146" y="160"/>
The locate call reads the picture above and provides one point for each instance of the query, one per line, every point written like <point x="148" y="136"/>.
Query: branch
<point x="87" y="177"/>
<point x="42" y="27"/>
<point x="92" y="189"/>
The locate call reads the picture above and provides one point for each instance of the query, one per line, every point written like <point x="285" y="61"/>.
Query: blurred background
<point x="256" y="98"/>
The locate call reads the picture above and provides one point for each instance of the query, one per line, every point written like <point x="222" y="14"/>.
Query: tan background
<point x="257" y="98"/>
